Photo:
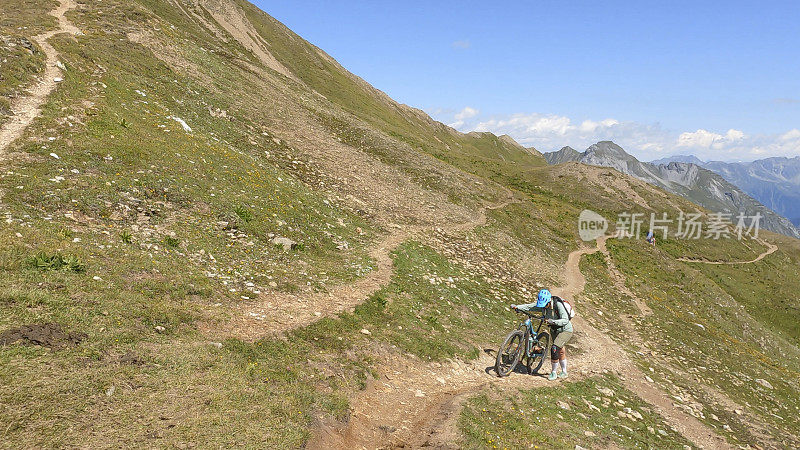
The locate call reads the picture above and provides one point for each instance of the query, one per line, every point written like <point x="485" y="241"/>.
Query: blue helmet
<point x="544" y="298"/>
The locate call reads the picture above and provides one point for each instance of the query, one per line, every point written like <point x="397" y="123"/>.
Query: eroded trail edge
<point x="26" y="109"/>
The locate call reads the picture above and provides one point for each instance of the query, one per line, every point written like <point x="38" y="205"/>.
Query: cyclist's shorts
<point x="562" y="339"/>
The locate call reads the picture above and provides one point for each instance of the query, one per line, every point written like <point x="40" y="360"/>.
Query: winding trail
<point x="415" y="404"/>
<point x="278" y="312"/>
<point x="771" y="248"/>
<point x="28" y="108"/>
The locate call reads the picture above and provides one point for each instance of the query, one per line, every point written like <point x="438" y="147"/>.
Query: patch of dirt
<point x="234" y="21"/>
<point x="131" y="358"/>
<point x="50" y="335"/>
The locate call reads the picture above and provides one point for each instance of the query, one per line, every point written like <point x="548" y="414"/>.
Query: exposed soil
<point x="50" y="335"/>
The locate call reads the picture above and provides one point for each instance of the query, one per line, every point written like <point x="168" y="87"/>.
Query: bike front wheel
<point x="510" y="353"/>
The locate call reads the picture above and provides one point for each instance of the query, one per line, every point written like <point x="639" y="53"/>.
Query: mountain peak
<point x="609" y="149"/>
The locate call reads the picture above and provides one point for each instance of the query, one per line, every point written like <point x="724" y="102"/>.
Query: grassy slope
<point x="199" y="208"/>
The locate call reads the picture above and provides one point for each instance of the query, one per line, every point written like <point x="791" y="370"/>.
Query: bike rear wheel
<point x="535" y="361"/>
<point x="510" y="353"/>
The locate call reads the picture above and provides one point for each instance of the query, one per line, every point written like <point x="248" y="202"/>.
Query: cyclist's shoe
<point x="552" y="376"/>
<point x="563" y="374"/>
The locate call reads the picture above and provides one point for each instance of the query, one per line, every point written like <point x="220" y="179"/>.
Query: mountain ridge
<point x="703" y="186"/>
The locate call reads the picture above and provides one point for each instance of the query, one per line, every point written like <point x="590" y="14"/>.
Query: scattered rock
<point x="160" y="329"/>
<point x="365" y="331"/>
<point x="738" y="412"/>
<point x="216" y="344"/>
<point x="441" y="380"/>
<point x="649" y="380"/>
<point x="110" y="391"/>
<point x="588" y="433"/>
<point x="563" y="405"/>
<point x="607" y="392"/>
<point x="419" y="393"/>
<point x="285" y="242"/>
<point x="764" y="383"/>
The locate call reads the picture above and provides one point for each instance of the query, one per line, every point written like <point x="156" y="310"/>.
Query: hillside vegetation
<point x="216" y="236"/>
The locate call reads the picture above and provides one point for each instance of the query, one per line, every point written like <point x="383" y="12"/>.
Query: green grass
<point x="534" y="419"/>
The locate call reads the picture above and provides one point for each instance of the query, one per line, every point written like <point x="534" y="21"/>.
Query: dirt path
<point x="26" y="109"/>
<point x="416" y="404"/>
<point x="771" y="248"/>
<point x="276" y="313"/>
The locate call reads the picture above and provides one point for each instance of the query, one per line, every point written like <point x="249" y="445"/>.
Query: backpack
<point x="567" y="306"/>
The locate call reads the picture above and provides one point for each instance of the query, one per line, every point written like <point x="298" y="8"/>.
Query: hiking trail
<point x="279" y="312"/>
<point x="771" y="248"/>
<point x="415" y="404"/>
<point x="26" y="109"/>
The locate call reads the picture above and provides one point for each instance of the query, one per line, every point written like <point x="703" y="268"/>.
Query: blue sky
<point x="717" y="79"/>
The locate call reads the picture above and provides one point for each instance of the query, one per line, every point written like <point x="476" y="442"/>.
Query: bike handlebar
<point x="528" y="313"/>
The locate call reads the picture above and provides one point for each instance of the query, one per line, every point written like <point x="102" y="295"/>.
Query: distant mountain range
<point x="679" y="158"/>
<point x="775" y="182"/>
<point x="687" y="179"/>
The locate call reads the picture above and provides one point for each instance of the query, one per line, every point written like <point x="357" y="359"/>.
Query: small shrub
<point x="126" y="237"/>
<point x="65" y="233"/>
<point x="245" y="214"/>
<point x="57" y="261"/>
<point x="124" y="123"/>
<point x="170" y="241"/>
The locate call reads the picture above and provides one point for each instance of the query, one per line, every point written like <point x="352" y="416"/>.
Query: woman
<point x="560" y="328"/>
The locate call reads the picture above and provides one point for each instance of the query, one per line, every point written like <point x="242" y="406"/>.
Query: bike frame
<point x="531" y="333"/>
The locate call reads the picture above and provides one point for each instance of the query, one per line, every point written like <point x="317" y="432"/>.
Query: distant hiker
<point x="560" y="328"/>
<point x="651" y="238"/>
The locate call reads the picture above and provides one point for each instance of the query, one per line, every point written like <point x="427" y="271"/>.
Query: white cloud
<point x="466" y="113"/>
<point x="462" y="44"/>
<point x="548" y="132"/>
<point x="706" y="139"/>
<point x="791" y="135"/>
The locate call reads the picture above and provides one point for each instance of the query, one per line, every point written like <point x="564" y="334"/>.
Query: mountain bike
<point x="524" y="342"/>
